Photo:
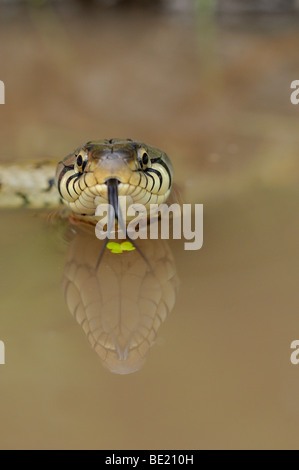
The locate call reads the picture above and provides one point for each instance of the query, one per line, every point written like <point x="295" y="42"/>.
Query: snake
<point x="121" y="304"/>
<point x="90" y="175"/>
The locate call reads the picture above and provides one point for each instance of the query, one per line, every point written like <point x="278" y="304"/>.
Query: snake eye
<point x="81" y="162"/>
<point x="143" y="158"/>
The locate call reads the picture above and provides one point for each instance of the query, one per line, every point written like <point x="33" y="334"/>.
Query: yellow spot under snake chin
<point x="115" y="247"/>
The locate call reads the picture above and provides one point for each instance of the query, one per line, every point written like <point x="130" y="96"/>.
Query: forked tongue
<point x="115" y="213"/>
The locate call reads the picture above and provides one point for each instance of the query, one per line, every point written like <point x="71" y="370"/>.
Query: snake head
<point x="144" y="174"/>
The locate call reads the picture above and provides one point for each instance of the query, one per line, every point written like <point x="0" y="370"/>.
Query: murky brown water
<point x="217" y="100"/>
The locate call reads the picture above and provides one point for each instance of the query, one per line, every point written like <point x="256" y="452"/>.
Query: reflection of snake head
<point x="121" y="305"/>
<point x="144" y="175"/>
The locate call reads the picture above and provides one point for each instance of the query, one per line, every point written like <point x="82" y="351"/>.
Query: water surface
<point x="217" y="100"/>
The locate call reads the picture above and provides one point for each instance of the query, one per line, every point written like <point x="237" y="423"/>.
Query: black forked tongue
<point x="114" y="212"/>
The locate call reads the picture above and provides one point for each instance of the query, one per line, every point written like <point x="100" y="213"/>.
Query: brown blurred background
<point x="210" y="84"/>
